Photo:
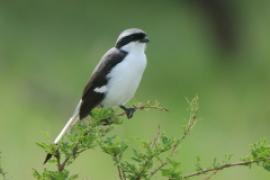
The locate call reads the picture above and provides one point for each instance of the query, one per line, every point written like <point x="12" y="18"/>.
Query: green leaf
<point x="261" y="152"/>
<point x="53" y="175"/>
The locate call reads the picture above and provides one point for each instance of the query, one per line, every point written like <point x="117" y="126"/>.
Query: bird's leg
<point x="129" y="111"/>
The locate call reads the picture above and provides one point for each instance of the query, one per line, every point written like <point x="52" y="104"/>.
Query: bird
<point x="115" y="79"/>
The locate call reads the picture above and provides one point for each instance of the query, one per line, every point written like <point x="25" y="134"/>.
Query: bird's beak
<point x="145" y="40"/>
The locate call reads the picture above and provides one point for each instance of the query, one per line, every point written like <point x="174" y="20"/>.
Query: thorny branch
<point x="211" y="175"/>
<point x="187" y="130"/>
<point x="121" y="173"/>
<point x="145" y="107"/>
<point x="259" y="156"/>
<point x="104" y="122"/>
<point x="221" y="167"/>
<point x="152" y="144"/>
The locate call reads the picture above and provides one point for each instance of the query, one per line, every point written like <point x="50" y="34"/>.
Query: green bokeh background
<point x="48" y="49"/>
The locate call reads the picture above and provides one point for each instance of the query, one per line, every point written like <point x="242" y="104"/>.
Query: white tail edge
<point x="73" y="120"/>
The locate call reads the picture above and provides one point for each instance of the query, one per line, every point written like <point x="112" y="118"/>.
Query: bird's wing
<point x="91" y="97"/>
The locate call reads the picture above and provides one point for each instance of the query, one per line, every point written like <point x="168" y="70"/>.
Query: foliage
<point x="148" y="159"/>
<point x="2" y="172"/>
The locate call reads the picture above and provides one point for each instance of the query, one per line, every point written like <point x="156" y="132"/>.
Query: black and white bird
<point x="115" y="79"/>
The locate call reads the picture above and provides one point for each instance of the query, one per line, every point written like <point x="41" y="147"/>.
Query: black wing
<point x="90" y="98"/>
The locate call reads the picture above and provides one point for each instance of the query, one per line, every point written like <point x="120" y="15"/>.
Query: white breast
<point x="124" y="79"/>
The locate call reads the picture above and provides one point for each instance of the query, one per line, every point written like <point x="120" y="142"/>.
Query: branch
<point x="146" y="162"/>
<point x="192" y="121"/>
<point x="150" y="158"/>
<point x="146" y="106"/>
<point x="194" y="107"/>
<point x="211" y="175"/>
<point x="220" y="168"/>
<point x="103" y="122"/>
<point x="144" y="167"/>
<point x="2" y="172"/>
<point x="121" y="173"/>
<point x="156" y="138"/>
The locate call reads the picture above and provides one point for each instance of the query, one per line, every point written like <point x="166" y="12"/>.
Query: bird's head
<point x="132" y="39"/>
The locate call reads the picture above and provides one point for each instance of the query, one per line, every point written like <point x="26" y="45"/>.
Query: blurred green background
<point x="220" y="52"/>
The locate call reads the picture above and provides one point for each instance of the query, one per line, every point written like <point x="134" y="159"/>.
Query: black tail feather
<point x="48" y="157"/>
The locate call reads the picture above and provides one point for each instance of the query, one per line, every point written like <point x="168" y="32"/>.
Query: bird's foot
<point x="129" y="111"/>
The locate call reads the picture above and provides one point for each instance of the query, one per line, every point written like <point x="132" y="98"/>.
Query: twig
<point x="142" y="171"/>
<point x="152" y="144"/>
<point x="143" y="107"/>
<point x="58" y="160"/>
<point x="62" y="166"/>
<point x="219" y="168"/>
<point x="75" y="152"/>
<point x="104" y="122"/>
<point x="158" y="168"/>
<point x="191" y="122"/>
<point x="119" y="169"/>
<point x="156" y="138"/>
<point x="211" y="175"/>
<point x="120" y="172"/>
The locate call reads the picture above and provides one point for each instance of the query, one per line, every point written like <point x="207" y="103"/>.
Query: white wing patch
<point x="101" y="89"/>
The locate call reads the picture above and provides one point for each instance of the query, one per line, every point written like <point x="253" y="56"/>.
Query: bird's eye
<point x="145" y="40"/>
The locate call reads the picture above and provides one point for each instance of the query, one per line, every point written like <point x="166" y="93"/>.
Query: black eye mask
<point x="127" y="39"/>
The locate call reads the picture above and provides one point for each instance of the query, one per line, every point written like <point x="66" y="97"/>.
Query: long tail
<point x="68" y="125"/>
<point x="71" y="122"/>
<point x="74" y="118"/>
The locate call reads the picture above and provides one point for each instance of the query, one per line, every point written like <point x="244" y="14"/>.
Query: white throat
<point x="126" y="76"/>
<point x="134" y="46"/>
